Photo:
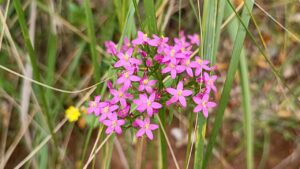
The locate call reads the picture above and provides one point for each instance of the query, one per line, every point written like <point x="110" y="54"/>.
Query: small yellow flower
<point x="72" y="114"/>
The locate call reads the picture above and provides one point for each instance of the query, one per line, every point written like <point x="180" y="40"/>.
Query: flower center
<point x="199" y="61"/>
<point x="105" y="109"/>
<point x="145" y="81"/>
<point x="204" y="103"/>
<point x="187" y="63"/>
<point x="120" y="94"/>
<point x="145" y="37"/>
<point x="179" y="92"/>
<point x="126" y="74"/>
<point x="126" y="57"/>
<point x="172" y="65"/>
<point x="172" y="53"/>
<point x="148" y="102"/>
<point x="147" y="126"/>
<point x="94" y="104"/>
<point x="114" y="123"/>
<point x="182" y="49"/>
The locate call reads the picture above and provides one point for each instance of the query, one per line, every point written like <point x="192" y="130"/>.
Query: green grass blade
<point x="92" y="37"/>
<point x="238" y="45"/>
<point x="150" y="21"/>
<point x="33" y="59"/>
<point x="207" y="48"/>
<point x="248" y="127"/>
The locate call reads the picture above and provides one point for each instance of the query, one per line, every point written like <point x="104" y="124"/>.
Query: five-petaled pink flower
<point x="203" y="104"/>
<point x="127" y="77"/>
<point x="120" y="96"/>
<point x="188" y="65"/>
<point x="141" y="39"/>
<point x="194" y="39"/>
<point x="201" y="65"/>
<point x="126" y="59"/>
<point x="94" y="106"/>
<point x="145" y="103"/>
<point x="174" y="69"/>
<point x="210" y="82"/>
<point x="106" y="109"/>
<point x="113" y="124"/>
<point x="179" y="94"/>
<point x="146" y="84"/>
<point x="145" y="128"/>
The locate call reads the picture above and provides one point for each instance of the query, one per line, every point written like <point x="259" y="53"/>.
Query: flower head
<point x="201" y="65"/>
<point x="203" y="104"/>
<point x="120" y="96"/>
<point x="141" y="39"/>
<point x="209" y="82"/>
<point x="94" y="106"/>
<point x="113" y="124"/>
<point x="146" y="84"/>
<point x="126" y="59"/>
<point x="179" y="94"/>
<point x="127" y="77"/>
<point x="106" y="108"/>
<point x="145" y="128"/>
<point x="148" y="104"/>
<point x="174" y="69"/>
<point x="72" y="114"/>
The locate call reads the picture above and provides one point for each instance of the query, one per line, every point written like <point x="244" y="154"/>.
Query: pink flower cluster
<point x="144" y="65"/>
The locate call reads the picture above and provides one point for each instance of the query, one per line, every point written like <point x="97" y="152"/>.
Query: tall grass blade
<point x="243" y="71"/>
<point x="208" y="37"/>
<point x="238" y="45"/>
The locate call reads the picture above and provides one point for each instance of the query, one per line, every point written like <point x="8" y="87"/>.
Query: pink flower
<point x="126" y="59"/>
<point x="123" y="112"/>
<point x="209" y="82"/>
<point x="145" y="128"/>
<point x="120" y="96"/>
<point x="141" y="39"/>
<point x="94" y="106"/>
<point x="194" y="39"/>
<point x="145" y="103"/>
<point x="111" y="47"/>
<point x="172" y="54"/>
<point x="113" y="124"/>
<point x="174" y="69"/>
<point x="202" y="64"/>
<point x="203" y="104"/>
<point x="179" y="94"/>
<point x="127" y="77"/>
<point x="106" y="109"/>
<point x="126" y="45"/>
<point x="188" y="65"/>
<point x="158" y="42"/>
<point x="146" y="84"/>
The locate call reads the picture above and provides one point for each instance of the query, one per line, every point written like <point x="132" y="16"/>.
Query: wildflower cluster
<point x="153" y="74"/>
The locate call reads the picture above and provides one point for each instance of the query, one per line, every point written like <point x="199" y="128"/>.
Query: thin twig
<point x="168" y="142"/>
<point x="97" y="150"/>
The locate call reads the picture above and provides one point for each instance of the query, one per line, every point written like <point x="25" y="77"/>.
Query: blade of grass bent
<point x="243" y="71"/>
<point x="238" y="45"/>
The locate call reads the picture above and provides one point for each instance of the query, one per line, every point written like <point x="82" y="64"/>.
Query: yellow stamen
<point x="179" y="92"/>
<point x="148" y="102"/>
<point x="145" y="81"/>
<point x="105" y="109"/>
